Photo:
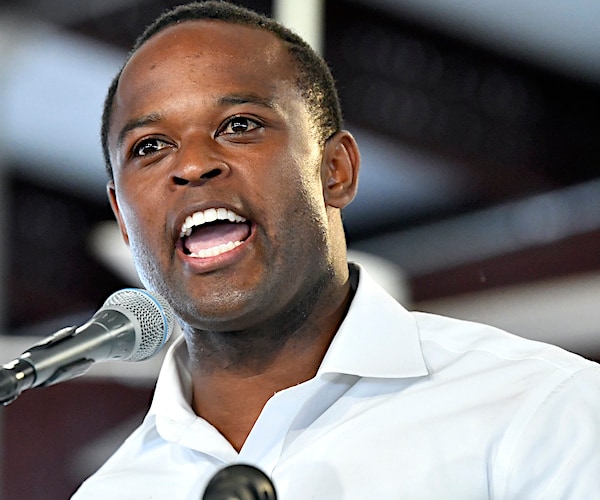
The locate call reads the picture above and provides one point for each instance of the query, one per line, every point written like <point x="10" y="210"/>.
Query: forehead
<point x="204" y="48"/>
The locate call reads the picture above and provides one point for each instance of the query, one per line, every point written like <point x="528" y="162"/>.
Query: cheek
<point x="137" y="195"/>
<point x="302" y="214"/>
<point x="296" y="174"/>
<point x="143" y="244"/>
<point x="129" y="214"/>
<point x="135" y="216"/>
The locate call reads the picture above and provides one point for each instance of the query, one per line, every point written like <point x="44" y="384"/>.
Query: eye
<point x="238" y="125"/>
<point x="149" y="146"/>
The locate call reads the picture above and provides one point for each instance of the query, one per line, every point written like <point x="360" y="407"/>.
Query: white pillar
<point x="304" y="17"/>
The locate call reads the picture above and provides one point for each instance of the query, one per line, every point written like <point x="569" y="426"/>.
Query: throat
<point x="302" y="332"/>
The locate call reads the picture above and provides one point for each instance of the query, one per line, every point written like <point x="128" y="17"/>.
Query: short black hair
<point x="315" y="81"/>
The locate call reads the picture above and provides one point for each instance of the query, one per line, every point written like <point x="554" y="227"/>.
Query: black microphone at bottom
<point x="240" y="482"/>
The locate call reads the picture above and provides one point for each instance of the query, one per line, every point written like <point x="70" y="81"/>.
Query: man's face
<point x="207" y="121"/>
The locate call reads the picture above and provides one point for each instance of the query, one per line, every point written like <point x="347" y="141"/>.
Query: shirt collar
<point x="378" y="337"/>
<point x="173" y="392"/>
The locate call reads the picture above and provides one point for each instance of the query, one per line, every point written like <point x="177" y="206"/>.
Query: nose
<point x="196" y="165"/>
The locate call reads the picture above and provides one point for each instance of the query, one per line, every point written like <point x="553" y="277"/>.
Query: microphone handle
<point x="108" y="335"/>
<point x="21" y="374"/>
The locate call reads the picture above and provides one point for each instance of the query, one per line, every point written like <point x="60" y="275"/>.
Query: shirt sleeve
<point x="554" y="453"/>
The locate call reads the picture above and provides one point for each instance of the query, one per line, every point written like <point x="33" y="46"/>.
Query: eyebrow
<point x="142" y="121"/>
<point x="250" y="98"/>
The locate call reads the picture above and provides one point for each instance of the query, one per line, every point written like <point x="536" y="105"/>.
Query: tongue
<point x="216" y="234"/>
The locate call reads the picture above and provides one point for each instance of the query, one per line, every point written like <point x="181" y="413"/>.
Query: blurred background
<point x="479" y="192"/>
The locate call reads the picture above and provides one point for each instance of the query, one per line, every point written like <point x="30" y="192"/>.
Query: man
<point x="229" y="168"/>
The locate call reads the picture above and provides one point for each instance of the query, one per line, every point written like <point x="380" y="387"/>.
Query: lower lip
<point x="209" y="264"/>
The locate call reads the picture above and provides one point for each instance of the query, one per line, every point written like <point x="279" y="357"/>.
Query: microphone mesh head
<point x="151" y="312"/>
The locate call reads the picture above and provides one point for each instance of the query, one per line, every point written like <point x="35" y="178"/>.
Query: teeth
<point x="197" y="220"/>
<point x="214" y="251"/>
<point x="209" y="215"/>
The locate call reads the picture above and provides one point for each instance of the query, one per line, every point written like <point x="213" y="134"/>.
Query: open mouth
<point x="212" y="232"/>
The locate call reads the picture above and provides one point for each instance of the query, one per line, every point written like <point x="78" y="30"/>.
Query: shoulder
<point x="522" y="372"/>
<point x="460" y="338"/>
<point x="544" y="400"/>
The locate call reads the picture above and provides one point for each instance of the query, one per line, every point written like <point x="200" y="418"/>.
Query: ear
<point x="114" y="204"/>
<point x="339" y="171"/>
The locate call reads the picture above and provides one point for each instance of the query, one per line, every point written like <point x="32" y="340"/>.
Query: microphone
<point x="132" y="325"/>
<point x="240" y="482"/>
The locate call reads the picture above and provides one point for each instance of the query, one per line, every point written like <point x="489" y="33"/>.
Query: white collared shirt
<point x="404" y="406"/>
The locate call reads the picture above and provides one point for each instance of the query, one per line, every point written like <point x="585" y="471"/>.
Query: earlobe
<point x="341" y="162"/>
<point x="112" y="198"/>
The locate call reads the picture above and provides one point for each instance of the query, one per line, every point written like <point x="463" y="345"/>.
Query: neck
<point x="235" y="373"/>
